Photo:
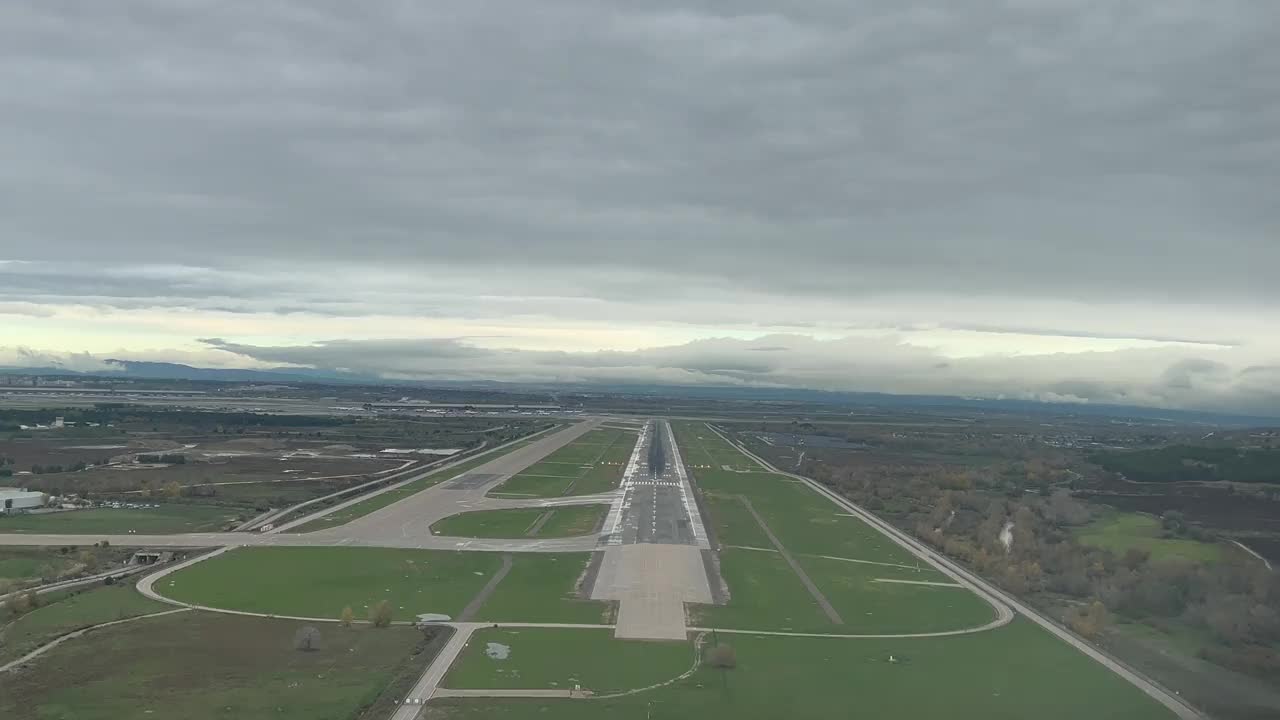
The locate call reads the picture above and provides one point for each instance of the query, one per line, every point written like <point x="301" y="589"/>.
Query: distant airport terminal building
<point x="15" y="500"/>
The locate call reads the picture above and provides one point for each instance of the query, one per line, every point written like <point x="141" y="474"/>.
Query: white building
<point x="13" y="499"/>
<point x="59" y="423"/>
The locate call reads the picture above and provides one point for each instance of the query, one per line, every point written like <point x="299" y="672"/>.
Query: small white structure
<point x="59" y="423"/>
<point x="13" y="499"/>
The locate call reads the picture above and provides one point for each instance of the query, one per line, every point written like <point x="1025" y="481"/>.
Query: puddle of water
<point x="497" y="651"/>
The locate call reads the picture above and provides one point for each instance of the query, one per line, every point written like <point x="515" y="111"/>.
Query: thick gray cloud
<point x="1062" y="148"/>
<point x="1009" y="167"/>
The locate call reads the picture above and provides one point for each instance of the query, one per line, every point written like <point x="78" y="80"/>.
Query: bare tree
<point x="348" y="617"/>
<point x="723" y="657"/>
<point x="380" y="615"/>
<point x="307" y="639"/>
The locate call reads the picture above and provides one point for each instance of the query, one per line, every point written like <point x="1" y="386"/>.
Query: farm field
<point x="168" y="518"/>
<point x="320" y="582"/>
<point x="591" y="464"/>
<point x="71" y="612"/>
<point x="1012" y="673"/>
<point x="1120" y="531"/>
<point x="211" y="666"/>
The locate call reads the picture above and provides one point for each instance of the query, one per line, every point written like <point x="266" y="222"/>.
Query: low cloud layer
<point x="1075" y="182"/>
<point x="1161" y="377"/>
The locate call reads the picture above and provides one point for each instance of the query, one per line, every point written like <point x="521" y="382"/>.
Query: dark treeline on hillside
<point x="1189" y="463"/>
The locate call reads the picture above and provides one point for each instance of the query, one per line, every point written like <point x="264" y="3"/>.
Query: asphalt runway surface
<point x="656" y="506"/>
<point x="652" y="564"/>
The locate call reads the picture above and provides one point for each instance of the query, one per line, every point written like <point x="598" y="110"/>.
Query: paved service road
<point x="426" y="686"/>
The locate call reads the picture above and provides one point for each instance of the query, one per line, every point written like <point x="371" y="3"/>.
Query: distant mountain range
<point x="139" y="370"/>
<point x="136" y="369"/>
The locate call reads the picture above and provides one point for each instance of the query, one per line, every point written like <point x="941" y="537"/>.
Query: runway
<point x="656" y="504"/>
<point x="654" y="540"/>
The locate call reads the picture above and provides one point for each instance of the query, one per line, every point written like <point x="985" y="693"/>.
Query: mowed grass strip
<point x="513" y="523"/>
<point x="1120" y="531"/>
<point x="733" y="523"/>
<point x="320" y="581"/>
<point x="803" y="520"/>
<point x="699" y="446"/>
<point x="871" y="607"/>
<point x="166" y="519"/>
<point x="567" y="521"/>
<point x="70" y="613"/>
<point x="207" y="666"/>
<point x="541" y="587"/>
<point x="765" y="594"/>
<point x="591" y="464"/>
<point x="560" y="658"/>
<point x="573" y="520"/>
<point x="1015" y="672"/>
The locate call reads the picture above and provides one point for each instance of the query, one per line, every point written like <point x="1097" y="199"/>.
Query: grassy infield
<point x="105" y="521"/>
<point x="1013" y="672"/>
<point x="591" y="464"/>
<point x="567" y="521"/>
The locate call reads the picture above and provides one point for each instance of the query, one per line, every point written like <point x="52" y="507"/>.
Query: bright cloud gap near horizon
<point x="1010" y="200"/>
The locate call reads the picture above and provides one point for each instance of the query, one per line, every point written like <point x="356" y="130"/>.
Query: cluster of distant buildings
<point x="35" y="381"/>
<point x="58" y="424"/>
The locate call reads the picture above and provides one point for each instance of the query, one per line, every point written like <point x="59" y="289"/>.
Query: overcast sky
<point x="1062" y="199"/>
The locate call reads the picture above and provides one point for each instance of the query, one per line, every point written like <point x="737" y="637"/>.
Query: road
<point x="426" y="686"/>
<point x="404" y="524"/>
<point x="987" y="590"/>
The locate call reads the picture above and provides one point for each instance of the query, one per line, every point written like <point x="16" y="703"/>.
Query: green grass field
<point x="206" y="666"/>
<point x="591" y="464"/>
<point x="320" y="582"/>
<point x="871" y="607"/>
<point x="540" y="588"/>
<point x="547" y="658"/>
<point x="24" y="565"/>
<point x="1119" y="531"/>
<point x="517" y="523"/>
<point x="1014" y="673"/>
<point x="765" y="593"/>
<point x="72" y="612"/>
<point x="574" y="520"/>
<point x="166" y="519"/>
